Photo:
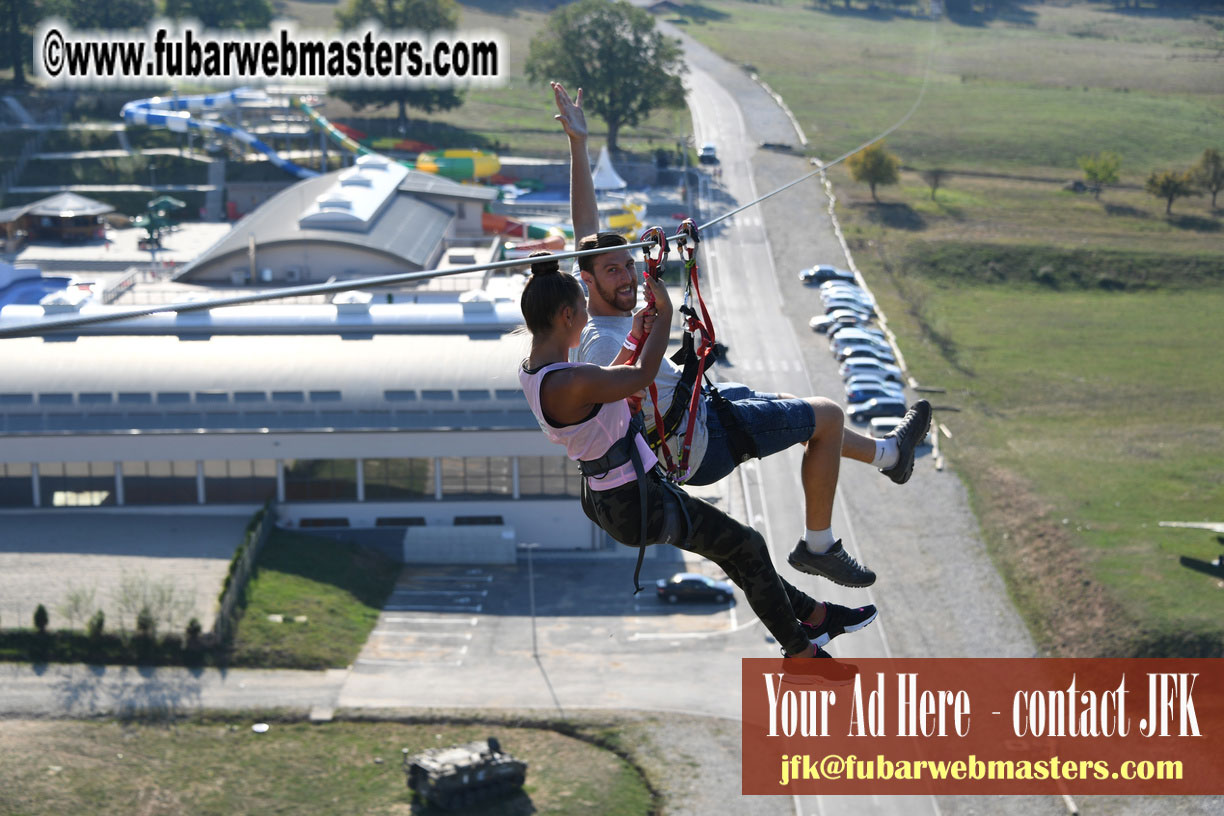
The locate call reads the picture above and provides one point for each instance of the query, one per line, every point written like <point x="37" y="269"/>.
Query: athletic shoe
<point x="837" y="565"/>
<point x="828" y="670"/>
<point x="838" y="620"/>
<point x="912" y="430"/>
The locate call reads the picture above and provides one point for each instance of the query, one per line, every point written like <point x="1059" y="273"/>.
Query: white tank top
<point x="591" y="438"/>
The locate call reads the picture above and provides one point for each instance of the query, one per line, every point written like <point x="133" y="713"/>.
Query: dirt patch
<point x="1070" y="614"/>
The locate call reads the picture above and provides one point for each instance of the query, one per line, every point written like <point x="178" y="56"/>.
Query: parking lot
<point x="449" y="616"/>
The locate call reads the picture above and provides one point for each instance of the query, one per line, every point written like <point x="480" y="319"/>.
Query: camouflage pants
<point x="739" y="550"/>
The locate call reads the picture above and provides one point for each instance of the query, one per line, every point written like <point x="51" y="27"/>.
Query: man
<point x="735" y="423"/>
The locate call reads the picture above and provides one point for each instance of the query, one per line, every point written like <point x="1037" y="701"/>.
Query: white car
<point x="869" y="365"/>
<point x="707" y="154"/>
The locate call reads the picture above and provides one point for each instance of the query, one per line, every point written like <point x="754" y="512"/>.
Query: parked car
<point x="692" y="586"/>
<point x="865" y="350"/>
<point x="846" y="318"/>
<point x="820" y="274"/>
<point x="862" y="332"/>
<point x="883" y="426"/>
<point x="822" y="323"/>
<point x="868" y="365"/>
<point x="876" y="407"/>
<point x="852" y="305"/>
<point x="868" y="379"/>
<point x="846" y="292"/>
<point x="707" y="154"/>
<point x="841" y="341"/>
<point x="863" y="392"/>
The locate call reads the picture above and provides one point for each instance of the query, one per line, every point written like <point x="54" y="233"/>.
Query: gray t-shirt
<point x="601" y="341"/>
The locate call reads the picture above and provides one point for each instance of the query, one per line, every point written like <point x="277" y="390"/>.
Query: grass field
<point x="1076" y="337"/>
<point x="338" y="588"/>
<point x="218" y="765"/>
<point x="1029" y="93"/>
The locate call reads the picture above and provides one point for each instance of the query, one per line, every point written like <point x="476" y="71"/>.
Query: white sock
<point x="886" y="454"/>
<point x="819" y="541"/>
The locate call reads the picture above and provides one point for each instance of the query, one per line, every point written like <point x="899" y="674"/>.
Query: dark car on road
<point x="692" y="586"/>
<point x="820" y="274"/>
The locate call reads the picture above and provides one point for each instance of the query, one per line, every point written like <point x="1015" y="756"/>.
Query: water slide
<point x="176" y="114"/>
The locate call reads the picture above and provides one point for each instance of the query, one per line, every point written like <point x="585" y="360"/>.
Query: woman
<point x="584" y="408"/>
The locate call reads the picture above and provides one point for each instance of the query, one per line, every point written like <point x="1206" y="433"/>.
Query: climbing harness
<point x="625" y="449"/>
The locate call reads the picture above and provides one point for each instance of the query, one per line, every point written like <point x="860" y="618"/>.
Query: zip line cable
<point x="65" y="324"/>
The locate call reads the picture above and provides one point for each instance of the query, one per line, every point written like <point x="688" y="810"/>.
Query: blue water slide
<point x="176" y="114"/>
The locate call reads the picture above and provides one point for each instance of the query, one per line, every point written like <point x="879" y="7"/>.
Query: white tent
<point x="606" y="177"/>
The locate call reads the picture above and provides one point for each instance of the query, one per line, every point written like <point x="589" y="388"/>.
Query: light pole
<point x="531" y="595"/>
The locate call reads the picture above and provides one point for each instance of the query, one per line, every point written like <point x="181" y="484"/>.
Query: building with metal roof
<point x="375" y="218"/>
<point x="420" y="431"/>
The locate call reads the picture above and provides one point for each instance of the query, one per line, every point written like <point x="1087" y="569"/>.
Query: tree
<point x="934" y="178"/>
<point x="1170" y="185"/>
<point x="401" y="15"/>
<point x="19" y="19"/>
<point x="613" y="52"/>
<point x="103" y="14"/>
<point x="41" y="619"/>
<point x="1099" y="170"/>
<point x="251" y="15"/>
<point x="1209" y="173"/>
<point x="874" y="165"/>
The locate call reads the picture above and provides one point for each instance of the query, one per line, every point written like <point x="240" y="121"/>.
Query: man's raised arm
<point x="584" y="213"/>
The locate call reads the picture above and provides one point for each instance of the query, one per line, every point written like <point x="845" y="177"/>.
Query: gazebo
<point x="62" y="217"/>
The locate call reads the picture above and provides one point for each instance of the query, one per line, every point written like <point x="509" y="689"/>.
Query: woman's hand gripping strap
<point x="654" y="266"/>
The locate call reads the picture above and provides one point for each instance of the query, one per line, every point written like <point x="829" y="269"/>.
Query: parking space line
<point x="481" y="592"/>
<point x="418" y="608"/>
<point x="408" y="633"/>
<point x="452" y="621"/>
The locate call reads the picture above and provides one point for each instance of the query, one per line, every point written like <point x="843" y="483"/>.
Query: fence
<point x="241" y="567"/>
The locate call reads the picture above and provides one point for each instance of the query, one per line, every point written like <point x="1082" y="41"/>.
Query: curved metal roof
<point x="124" y="384"/>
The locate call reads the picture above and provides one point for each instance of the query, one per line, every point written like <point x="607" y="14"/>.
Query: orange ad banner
<point x="983" y="726"/>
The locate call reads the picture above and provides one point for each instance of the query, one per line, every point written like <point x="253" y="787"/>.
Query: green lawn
<point x="218" y="765"/>
<point x="340" y="589"/>
<point x="1086" y="418"/>
<point x="1005" y="95"/>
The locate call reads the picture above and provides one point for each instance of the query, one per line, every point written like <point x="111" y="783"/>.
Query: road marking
<point x="374" y="661"/>
<point x="469" y="592"/>
<point x="458" y="622"/>
<point x="454" y="621"/>
<point x="406" y="634"/>
<point x="415" y="608"/>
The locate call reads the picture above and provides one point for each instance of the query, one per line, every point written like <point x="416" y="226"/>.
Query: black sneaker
<point x="912" y="430"/>
<point x="837" y="565"/>
<point x="828" y="671"/>
<point x="838" y="621"/>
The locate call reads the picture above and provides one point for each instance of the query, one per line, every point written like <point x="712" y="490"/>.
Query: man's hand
<point x="571" y="116"/>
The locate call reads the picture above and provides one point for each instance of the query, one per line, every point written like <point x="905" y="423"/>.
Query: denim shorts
<point x="773" y="422"/>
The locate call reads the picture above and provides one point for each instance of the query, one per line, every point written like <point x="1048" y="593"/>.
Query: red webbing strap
<point x="689" y="238"/>
<point x="654" y="269"/>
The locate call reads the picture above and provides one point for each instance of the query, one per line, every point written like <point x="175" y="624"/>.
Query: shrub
<point x="41" y="619"/>
<point x="96" y="624"/>
<point x="146" y="624"/>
